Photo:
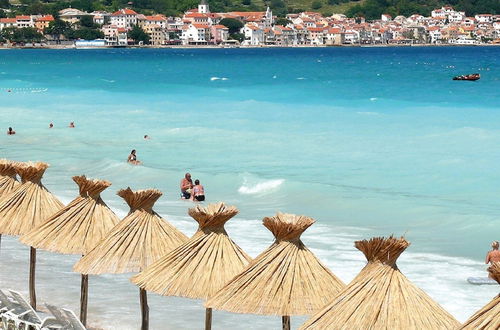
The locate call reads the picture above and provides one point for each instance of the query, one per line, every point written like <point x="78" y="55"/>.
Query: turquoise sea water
<point x="367" y="141"/>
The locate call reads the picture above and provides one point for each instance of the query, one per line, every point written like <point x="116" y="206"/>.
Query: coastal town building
<point x="124" y="18"/>
<point x="199" y="26"/>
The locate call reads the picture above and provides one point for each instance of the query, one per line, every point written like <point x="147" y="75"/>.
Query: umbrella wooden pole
<point x="32" y="277"/>
<point x="84" y="294"/>
<point x="144" y="309"/>
<point x="286" y="322"/>
<point x="208" y="319"/>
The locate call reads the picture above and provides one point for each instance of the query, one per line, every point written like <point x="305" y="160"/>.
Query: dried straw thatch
<point x="201" y="266"/>
<point x="8" y="179"/>
<point x="488" y="317"/>
<point x="29" y="204"/>
<point x="286" y="279"/>
<point x="381" y="297"/>
<point x="141" y="238"/>
<point x="26" y="206"/>
<point x="77" y="228"/>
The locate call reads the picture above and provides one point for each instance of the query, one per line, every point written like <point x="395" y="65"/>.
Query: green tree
<point x="282" y="21"/>
<point x="21" y="35"/>
<point x="232" y="24"/>
<point x="88" y="22"/>
<point x="2" y="14"/>
<point x="237" y="36"/>
<point x="316" y="4"/>
<point x="137" y="34"/>
<point x="59" y="28"/>
<point x="88" y="34"/>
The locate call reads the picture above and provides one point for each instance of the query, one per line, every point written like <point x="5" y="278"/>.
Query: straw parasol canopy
<point x="141" y="238"/>
<point x="488" y="317"/>
<point x="201" y="266"/>
<point x="30" y="203"/>
<point x="286" y="279"/>
<point x="8" y="179"/>
<point x="25" y="207"/>
<point x="77" y="228"/>
<point x="381" y="297"/>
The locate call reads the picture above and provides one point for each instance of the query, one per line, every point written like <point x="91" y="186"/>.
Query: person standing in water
<point x="132" y="158"/>
<point x="494" y="254"/>
<point x="186" y="186"/>
<point x="10" y="131"/>
<point x="198" y="191"/>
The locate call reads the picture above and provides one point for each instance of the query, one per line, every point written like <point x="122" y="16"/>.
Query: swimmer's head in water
<point x="196" y="181"/>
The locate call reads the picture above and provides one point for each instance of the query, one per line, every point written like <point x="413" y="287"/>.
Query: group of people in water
<point x="11" y="131"/>
<point x="189" y="190"/>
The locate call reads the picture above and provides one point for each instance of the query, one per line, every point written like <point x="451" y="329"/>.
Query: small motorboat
<point x="471" y="77"/>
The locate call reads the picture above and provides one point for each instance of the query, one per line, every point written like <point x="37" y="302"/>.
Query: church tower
<point x="203" y="7"/>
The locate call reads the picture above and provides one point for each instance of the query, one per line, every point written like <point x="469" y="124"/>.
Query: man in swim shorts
<point x="186" y="186"/>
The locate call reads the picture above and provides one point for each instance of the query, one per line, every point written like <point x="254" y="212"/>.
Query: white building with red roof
<point x="196" y="34"/>
<point x="124" y="18"/>
<point x="24" y="21"/>
<point x="7" y="23"/>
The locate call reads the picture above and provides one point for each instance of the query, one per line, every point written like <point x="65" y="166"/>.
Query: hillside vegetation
<point x="371" y="9"/>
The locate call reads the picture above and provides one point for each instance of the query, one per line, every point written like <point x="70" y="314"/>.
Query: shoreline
<point x="59" y="47"/>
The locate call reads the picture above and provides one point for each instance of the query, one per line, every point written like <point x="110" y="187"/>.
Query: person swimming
<point x="72" y="124"/>
<point x="10" y="131"/>
<point x="198" y="191"/>
<point x="132" y="158"/>
<point x="146" y="137"/>
<point x="51" y="125"/>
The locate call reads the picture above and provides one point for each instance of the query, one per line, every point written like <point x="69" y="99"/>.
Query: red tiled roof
<point x="315" y="29"/>
<point x="200" y="26"/>
<point x="24" y="18"/>
<point x="8" y="20"/>
<point x="194" y="15"/>
<point x="334" y="31"/>
<point x="48" y="18"/>
<point x="220" y="26"/>
<point x="125" y="11"/>
<point x="156" y="18"/>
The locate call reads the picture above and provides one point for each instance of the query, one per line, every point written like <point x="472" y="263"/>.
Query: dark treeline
<point x="370" y="9"/>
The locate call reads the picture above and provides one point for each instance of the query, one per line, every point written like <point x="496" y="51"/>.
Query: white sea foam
<point x="373" y="99"/>
<point x="260" y="187"/>
<point x="218" y="78"/>
<point x="301" y="78"/>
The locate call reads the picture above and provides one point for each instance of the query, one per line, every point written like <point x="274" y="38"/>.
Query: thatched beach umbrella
<point x="140" y="239"/>
<point x="488" y="317"/>
<point x="8" y="180"/>
<point x="27" y="206"/>
<point x="286" y="279"/>
<point x="381" y="297"/>
<point x="201" y="266"/>
<point x="77" y="228"/>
